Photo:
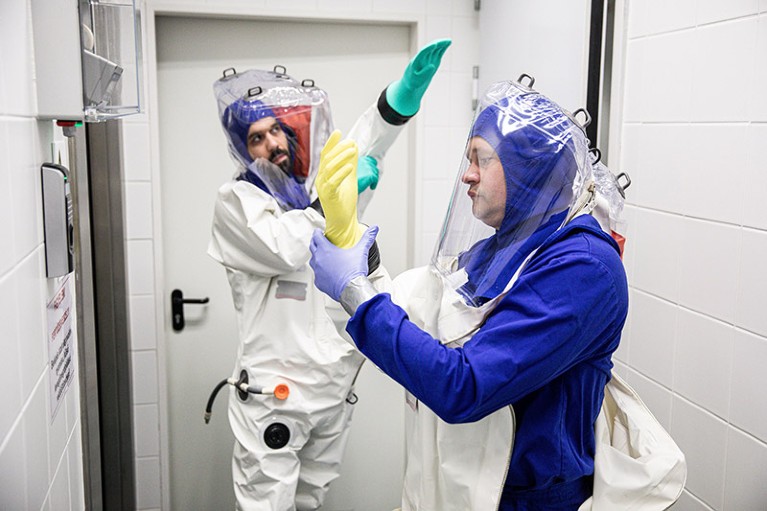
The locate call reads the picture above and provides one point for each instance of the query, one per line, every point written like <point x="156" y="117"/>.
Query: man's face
<point x="487" y="183"/>
<point x="267" y="140"/>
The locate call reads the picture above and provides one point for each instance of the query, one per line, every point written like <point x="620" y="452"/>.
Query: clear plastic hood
<point x="525" y="164"/>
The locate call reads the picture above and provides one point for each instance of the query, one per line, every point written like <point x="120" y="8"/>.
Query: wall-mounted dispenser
<point x="111" y="58"/>
<point x="87" y="58"/>
<point x="57" y="220"/>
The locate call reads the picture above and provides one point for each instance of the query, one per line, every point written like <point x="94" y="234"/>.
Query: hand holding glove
<point x="337" y="188"/>
<point x="335" y="267"/>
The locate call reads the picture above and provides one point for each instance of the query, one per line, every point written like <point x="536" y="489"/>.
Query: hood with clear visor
<point x="525" y="141"/>
<point x="282" y="156"/>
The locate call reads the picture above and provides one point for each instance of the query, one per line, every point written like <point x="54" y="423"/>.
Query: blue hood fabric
<point x="237" y="119"/>
<point x="292" y="195"/>
<point x="538" y="146"/>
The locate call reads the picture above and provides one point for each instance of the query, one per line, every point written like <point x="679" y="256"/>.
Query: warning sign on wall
<point x="60" y="341"/>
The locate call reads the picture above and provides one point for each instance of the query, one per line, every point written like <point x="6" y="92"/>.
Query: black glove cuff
<point x="374" y="258"/>
<point x="317" y="206"/>
<point x="389" y="114"/>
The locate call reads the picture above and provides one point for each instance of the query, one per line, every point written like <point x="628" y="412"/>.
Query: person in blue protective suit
<point x="291" y="422"/>
<point x="504" y="341"/>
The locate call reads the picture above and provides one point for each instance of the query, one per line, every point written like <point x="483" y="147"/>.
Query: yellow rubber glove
<point x="337" y="187"/>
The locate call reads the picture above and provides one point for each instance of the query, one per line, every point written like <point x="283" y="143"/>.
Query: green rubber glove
<point x="404" y="95"/>
<point x="367" y="174"/>
<point x="337" y="188"/>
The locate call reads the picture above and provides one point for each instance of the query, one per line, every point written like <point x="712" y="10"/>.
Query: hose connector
<point x="281" y="391"/>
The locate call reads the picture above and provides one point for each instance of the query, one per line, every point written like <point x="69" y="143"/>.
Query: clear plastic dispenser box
<point x="111" y="58"/>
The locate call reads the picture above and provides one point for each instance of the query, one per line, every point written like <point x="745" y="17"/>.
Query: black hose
<point x="243" y="393"/>
<point x="209" y="408"/>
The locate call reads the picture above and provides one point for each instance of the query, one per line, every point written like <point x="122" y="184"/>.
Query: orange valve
<point x="281" y="391"/>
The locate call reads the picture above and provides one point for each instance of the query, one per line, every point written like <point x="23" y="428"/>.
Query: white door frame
<point x="221" y="9"/>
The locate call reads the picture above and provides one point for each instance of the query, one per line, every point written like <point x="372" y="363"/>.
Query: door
<point x="353" y="63"/>
<point x="547" y="40"/>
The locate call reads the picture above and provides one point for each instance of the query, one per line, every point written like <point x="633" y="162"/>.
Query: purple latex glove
<point x="335" y="267"/>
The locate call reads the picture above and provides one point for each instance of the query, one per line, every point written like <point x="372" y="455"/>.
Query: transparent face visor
<point x="275" y="128"/>
<point x="525" y="164"/>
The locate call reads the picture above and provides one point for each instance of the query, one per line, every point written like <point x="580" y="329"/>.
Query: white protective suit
<point x="286" y="451"/>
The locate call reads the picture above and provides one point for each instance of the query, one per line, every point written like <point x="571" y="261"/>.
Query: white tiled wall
<point x="145" y="360"/>
<point x="445" y="127"/>
<point x="40" y="458"/>
<point x="694" y="128"/>
<point x="145" y="366"/>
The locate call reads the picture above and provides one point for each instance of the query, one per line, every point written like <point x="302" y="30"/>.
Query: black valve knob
<point x="277" y="435"/>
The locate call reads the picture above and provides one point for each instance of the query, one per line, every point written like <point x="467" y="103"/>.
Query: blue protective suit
<point x="547" y="344"/>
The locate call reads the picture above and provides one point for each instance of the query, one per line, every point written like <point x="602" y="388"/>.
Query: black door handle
<point x="177" y="302"/>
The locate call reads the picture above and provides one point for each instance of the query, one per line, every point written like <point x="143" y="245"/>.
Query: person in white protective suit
<point x="294" y="373"/>
<point x="504" y="341"/>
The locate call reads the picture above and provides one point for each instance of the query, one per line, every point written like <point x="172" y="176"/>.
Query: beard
<point x="286" y="165"/>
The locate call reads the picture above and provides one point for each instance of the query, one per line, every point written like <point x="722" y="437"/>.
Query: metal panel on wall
<point x="110" y="288"/>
